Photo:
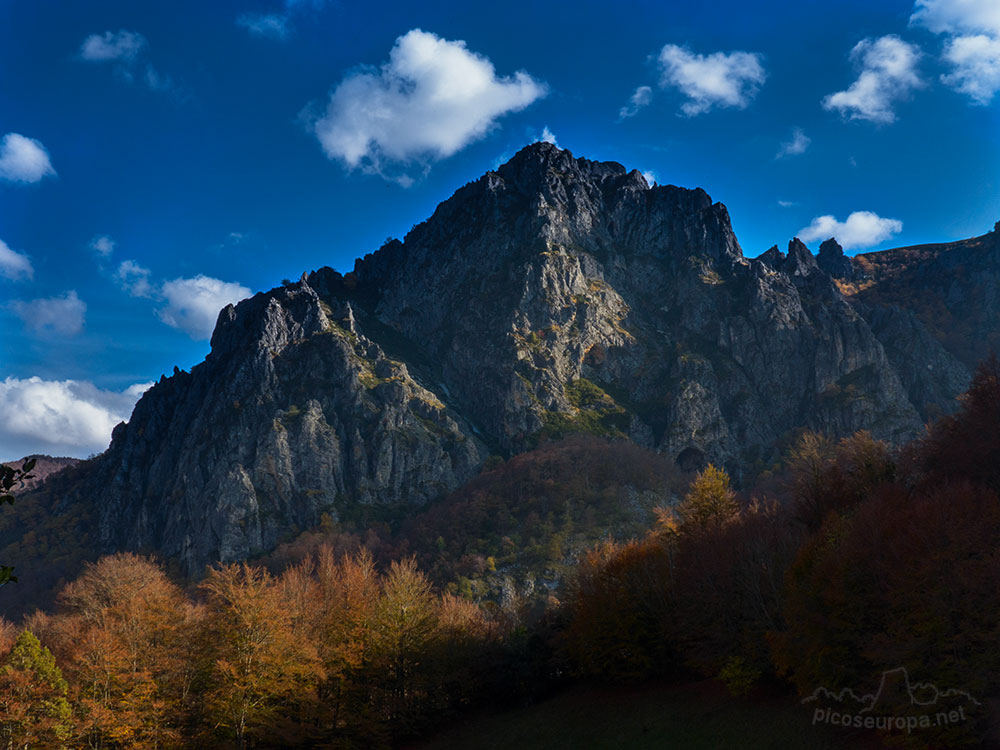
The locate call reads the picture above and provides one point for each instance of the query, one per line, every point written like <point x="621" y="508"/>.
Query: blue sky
<point x="160" y="160"/>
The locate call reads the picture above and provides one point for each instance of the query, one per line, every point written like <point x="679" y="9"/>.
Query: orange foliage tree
<point x="259" y="661"/>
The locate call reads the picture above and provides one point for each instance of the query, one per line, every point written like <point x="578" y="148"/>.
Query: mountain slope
<point x="553" y="295"/>
<point x="953" y="288"/>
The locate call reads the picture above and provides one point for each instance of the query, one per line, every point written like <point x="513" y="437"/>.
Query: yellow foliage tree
<point x="709" y="503"/>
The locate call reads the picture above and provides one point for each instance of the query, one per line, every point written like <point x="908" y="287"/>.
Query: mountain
<point x="553" y="295"/>
<point x="45" y="466"/>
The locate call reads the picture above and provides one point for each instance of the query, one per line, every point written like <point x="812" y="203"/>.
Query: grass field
<point x="700" y="715"/>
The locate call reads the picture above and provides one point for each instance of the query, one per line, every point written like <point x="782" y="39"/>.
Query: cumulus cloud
<point x="62" y="315"/>
<point x="639" y="99"/>
<point x="798" y="144"/>
<point x="14" y="265"/>
<point x="716" y="80"/>
<point x="888" y="74"/>
<point x="266" y="25"/>
<point x="60" y="417"/>
<point x="861" y="229"/>
<point x="650" y="177"/>
<point x="972" y="45"/>
<point x="126" y="51"/>
<point x="431" y="99"/>
<point x="548" y="136"/>
<point x="957" y="16"/>
<point x="976" y="66"/>
<point x="134" y="279"/>
<point x="103" y="245"/>
<point x="193" y="305"/>
<point x="23" y="159"/>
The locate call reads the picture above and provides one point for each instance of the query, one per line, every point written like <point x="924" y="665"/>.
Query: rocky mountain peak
<point x="555" y="294"/>
<point x="773" y="258"/>
<point x="799" y="261"/>
<point x="831" y="259"/>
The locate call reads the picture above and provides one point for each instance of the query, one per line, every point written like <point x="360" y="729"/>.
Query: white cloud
<point x="134" y="279"/>
<point x="64" y="417"/>
<point x="266" y="25"/>
<point x="126" y="49"/>
<point x="118" y="45"/>
<point x="62" y="315"/>
<point x="639" y="99"/>
<point x="23" y="159"/>
<point x="861" y="229"/>
<point x="957" y="16"/>
<point x="548" y="136"/>
<point x="797" y="145"/>
<point x="431" y="99"/>
<point x="14" y="265"/>
<point x="103" y="245"/>
<point x="888" y="75"/>
<point x="972" y="46"/>
<point x="976" y="64"/>
<point x="787" y="204"/>
<point x="193" y="305"/>
<point x="716" y="80"/>
<point x="650" y="177"/>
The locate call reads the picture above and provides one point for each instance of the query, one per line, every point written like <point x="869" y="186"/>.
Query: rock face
<point x="831" y="259"/>
<point x="952" y="288"/>
<point x="294" y="413"/>
<point x="551" y="295"/>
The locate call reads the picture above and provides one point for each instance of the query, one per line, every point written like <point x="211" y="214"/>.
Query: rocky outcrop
<point x="294" y="413"/>
<point x="554" y="294"/>
<point x="831" y="259"/>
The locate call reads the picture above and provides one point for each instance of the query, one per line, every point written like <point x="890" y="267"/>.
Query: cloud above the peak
<point x="972" y="43"/>
<point x="60" y="316"/>
<point x="888" y="74"/>
<point x="957" y="16"/>
<point x="720" y="79"/>
<point x="23" y="159"/>
<point x="860" y="229"/>
<point x="60" y="417"/>
<point x="14" y="265"/>
<point x="430" y="100"/>
<point x="193" y="305"/>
